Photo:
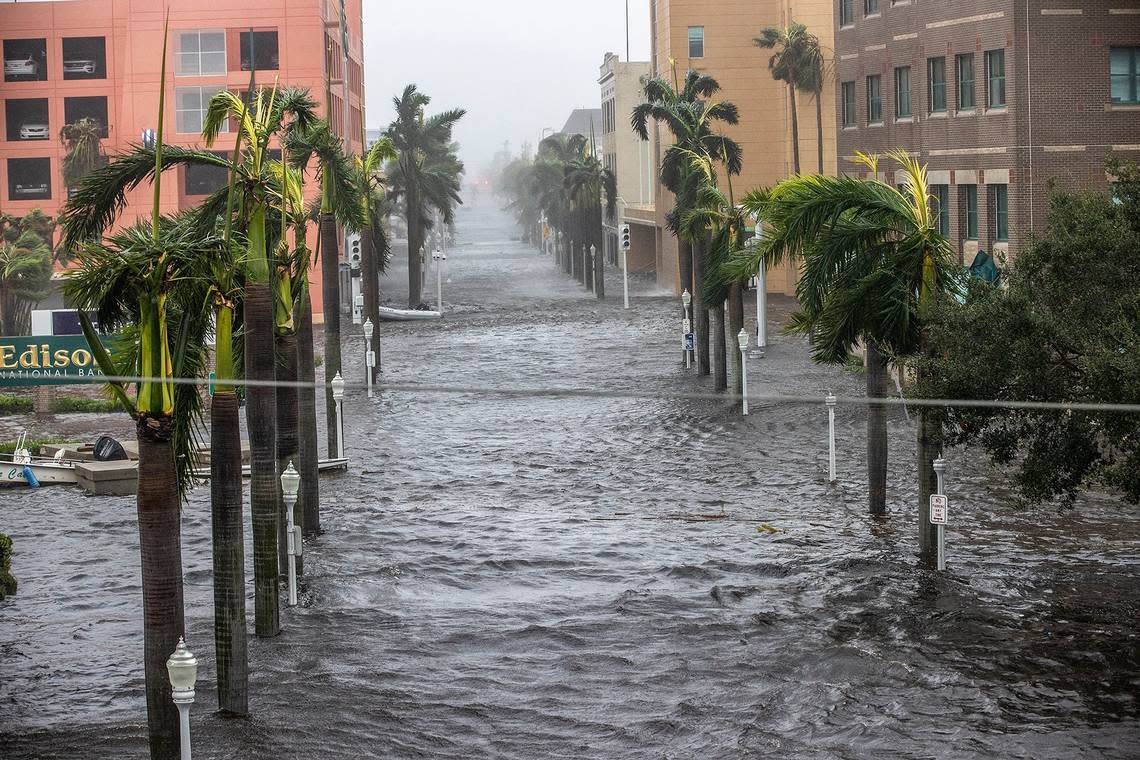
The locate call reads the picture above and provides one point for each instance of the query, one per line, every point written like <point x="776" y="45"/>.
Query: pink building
<point x="69" y="59"/>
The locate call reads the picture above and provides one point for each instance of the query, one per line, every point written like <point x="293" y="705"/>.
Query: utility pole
<point x="627" y="31"/>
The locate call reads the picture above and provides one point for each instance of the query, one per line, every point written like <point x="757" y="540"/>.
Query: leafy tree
<point x="84" y="142"/>
<point x="26" y="265"/>
<point x="798" y="62"/>
<point x="689" y="116"/>
<point x="426" y="174"/>
<point x="587" y="182"/>
<point x="873" y="266"/>
<point x="1065" y="330"/>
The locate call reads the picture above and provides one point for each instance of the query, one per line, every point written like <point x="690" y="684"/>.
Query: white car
<point x="79" y="66"/>
<point x="34" y="132"/>
<point x="37" y="189"/>
<point x="21" y="67"/>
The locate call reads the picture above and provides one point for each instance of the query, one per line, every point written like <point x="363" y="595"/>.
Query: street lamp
<point x="290" y="485"/>
<point x="761" y="296"/>
<point x="369" y="354"/>
<point x="742" y="339"/>
<point x="438" y="257"/>
<point x="338" y="396"/>
<point x="182" y="668"/>
<point x="687" y="328"/>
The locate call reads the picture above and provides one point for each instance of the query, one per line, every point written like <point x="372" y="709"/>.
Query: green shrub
<point x="66" y="404"/>
<point x="7" y="582"/>
<point x="10" y="404"/>
<point x="34" y="446"/>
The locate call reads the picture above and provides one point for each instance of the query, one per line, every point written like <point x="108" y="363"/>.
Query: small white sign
<point x="939" y="510"/>
<point x="371" y="358"/>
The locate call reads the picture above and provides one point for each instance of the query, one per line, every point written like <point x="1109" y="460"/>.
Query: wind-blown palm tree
<point x="690" y="118"/>
<point x="874" y="263"/>
<point x="83" y="139"/>
<point x="587" y="181"/>
<point x="799" y="64"/>
<point x="421" y="174"/>
<point x="374" y="247"/>
<point x="25" y="273"/>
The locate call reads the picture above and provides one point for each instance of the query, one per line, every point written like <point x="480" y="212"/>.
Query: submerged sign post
<point x="940" y="511"/>
<point x="47" y="360"/>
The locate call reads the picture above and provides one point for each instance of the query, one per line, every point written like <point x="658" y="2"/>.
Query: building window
<point x="846" y="12"/>
<point x="941" y="195"/>
<point x="968" y="197"/>
<point x="1125" y="73"/>
<point x="696" y="42"/>
<point x="965" y="67"/>
<point x="27" y="119"/>
<point x="874" y="99"/>
<point x="848" y="91"/>
<point x="29" y="179"/>
<point x="261" y="49"/>
<point x="25" y="60"/>
<point x="902" y="92"/>
<point x="201" y="53"/>
<point x="936" y="76"/>
<point x="995" y="79"/>
<point x="999" y="211"/>
<point x="190" y="108"/>
<point x="198" y="179"/>
<point x="92" y="107"/>
<point x="870" y="7"/>
<point x="84" y="58"/>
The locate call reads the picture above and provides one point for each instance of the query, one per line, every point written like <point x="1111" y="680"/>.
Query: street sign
<point x="939" y="510"/>
<point x="689" y="342"/>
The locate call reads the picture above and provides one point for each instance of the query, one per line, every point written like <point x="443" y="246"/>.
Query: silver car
<point x="21" y="67"/>
<point x="79" y="66"/>
<point x="37" y="189"/>
<point x="34" y="132"/>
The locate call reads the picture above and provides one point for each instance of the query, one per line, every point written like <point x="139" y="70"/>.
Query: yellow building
<point x="716" y="37"/>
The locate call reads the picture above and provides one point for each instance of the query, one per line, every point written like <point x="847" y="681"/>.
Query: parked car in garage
<point x="21" y="67"/>
<point x="34" y="132"/>
<point x="31" y="189"/>
<point x="79" y="66"/>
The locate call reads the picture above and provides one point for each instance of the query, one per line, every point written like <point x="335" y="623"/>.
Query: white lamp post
<point x="742" y="339"/>
<point x="831" y="401"/>
<point x="438" y="257"/>
<point x="338" y="396"/>
<point x="940" y="471"/>
<point x="182" y="668"/>
<point x="369" y="354"/>
<point x="761" y="297"/>
<point x="686" y="326"/>
<point x="290" y="485"/>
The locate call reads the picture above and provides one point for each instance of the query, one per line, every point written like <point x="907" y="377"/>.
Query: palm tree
<point x="419" y="175"/>
<point x="587" y="180"/>
<point x="798" y="63"/>
<point x="548" y="187"/>
<point x="84" y="141"/>
<point x="340" y="203"/>
<point x="374" y="247"/>
<point x="690" y="118"/>
<point x="874" y="264"/>
<point x="25" y="273"/>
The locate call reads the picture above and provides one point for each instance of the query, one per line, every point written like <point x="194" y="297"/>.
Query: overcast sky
<point x="517" y="66"/>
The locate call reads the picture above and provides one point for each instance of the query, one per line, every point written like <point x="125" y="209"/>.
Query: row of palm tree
<point x="234" y="269"/>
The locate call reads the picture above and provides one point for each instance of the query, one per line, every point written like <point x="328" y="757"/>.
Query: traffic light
<point x="626" y="242"/>
<point x="353" y="250"/>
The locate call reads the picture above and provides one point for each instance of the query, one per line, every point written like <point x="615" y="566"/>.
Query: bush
<point x="7" y="582"/>
<point x="10" y="404"/>
<point x="66" y="404"/>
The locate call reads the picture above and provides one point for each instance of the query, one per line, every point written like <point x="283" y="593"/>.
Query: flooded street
<point x="520" y="576"/>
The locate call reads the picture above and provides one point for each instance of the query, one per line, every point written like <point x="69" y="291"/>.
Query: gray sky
<point x="515" y="65"/>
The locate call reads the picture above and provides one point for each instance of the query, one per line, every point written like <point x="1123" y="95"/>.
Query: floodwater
<point x="510" y="576"/>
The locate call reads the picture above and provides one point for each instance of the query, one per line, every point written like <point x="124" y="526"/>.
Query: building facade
<point x="716" y="38"/>
<point x="630" y="159"/>
<point x="100" y="59"/>
<point x="1000" y="98"/>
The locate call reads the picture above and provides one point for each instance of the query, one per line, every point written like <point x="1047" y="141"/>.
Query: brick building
<point x="100" y="59"/>
<point x="1000" y="98"/>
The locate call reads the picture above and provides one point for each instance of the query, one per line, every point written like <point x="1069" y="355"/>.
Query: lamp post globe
<point x="686" y="299"/>
<point x="742" y="340"/>
<point x="369" y="329"/>
<point x="337" y="384"/>
<point x="290" y="482"/>
<point x="182" y="669"/>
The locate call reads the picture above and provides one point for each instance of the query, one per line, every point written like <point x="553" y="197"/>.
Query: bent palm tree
<point x="587" y="181"/>
<point x="25" y="277"/>
<point x="799" y="64"/>
<point x="84" y="142"/>
<point x="374" y="247"/>
<point x="874" y="263"/>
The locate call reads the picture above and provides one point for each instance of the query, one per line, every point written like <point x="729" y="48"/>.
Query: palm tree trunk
<point x="415" y="242"/>
<point x="795" y="132"/>
<point x="287" y="437"/>
<point x="160" y="545"/>
<point x="735" y="325"/>
<point x="719" y="359"/>
<point x="599" y="275"/>
<point x="261" y="419"/>
<point x="929" y="449"/>
<point x="309" y="497"/>
<point x="370" y="286"/>
<point x="700" y="313"/>
<point x="229" y="554"/>
<point x="876" y="431"/>
<point x="330" y="289"/>
<point x="819" y="129"/>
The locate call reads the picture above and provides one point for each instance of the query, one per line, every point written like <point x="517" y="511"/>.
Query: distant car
<point x="79" y="66"/>
<point x="34" y="188"/>
<point x="34" y="132"/>
<point x="21" y="67"/>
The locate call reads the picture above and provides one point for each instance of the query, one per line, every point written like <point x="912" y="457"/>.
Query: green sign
<point x="46" y="360"/>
